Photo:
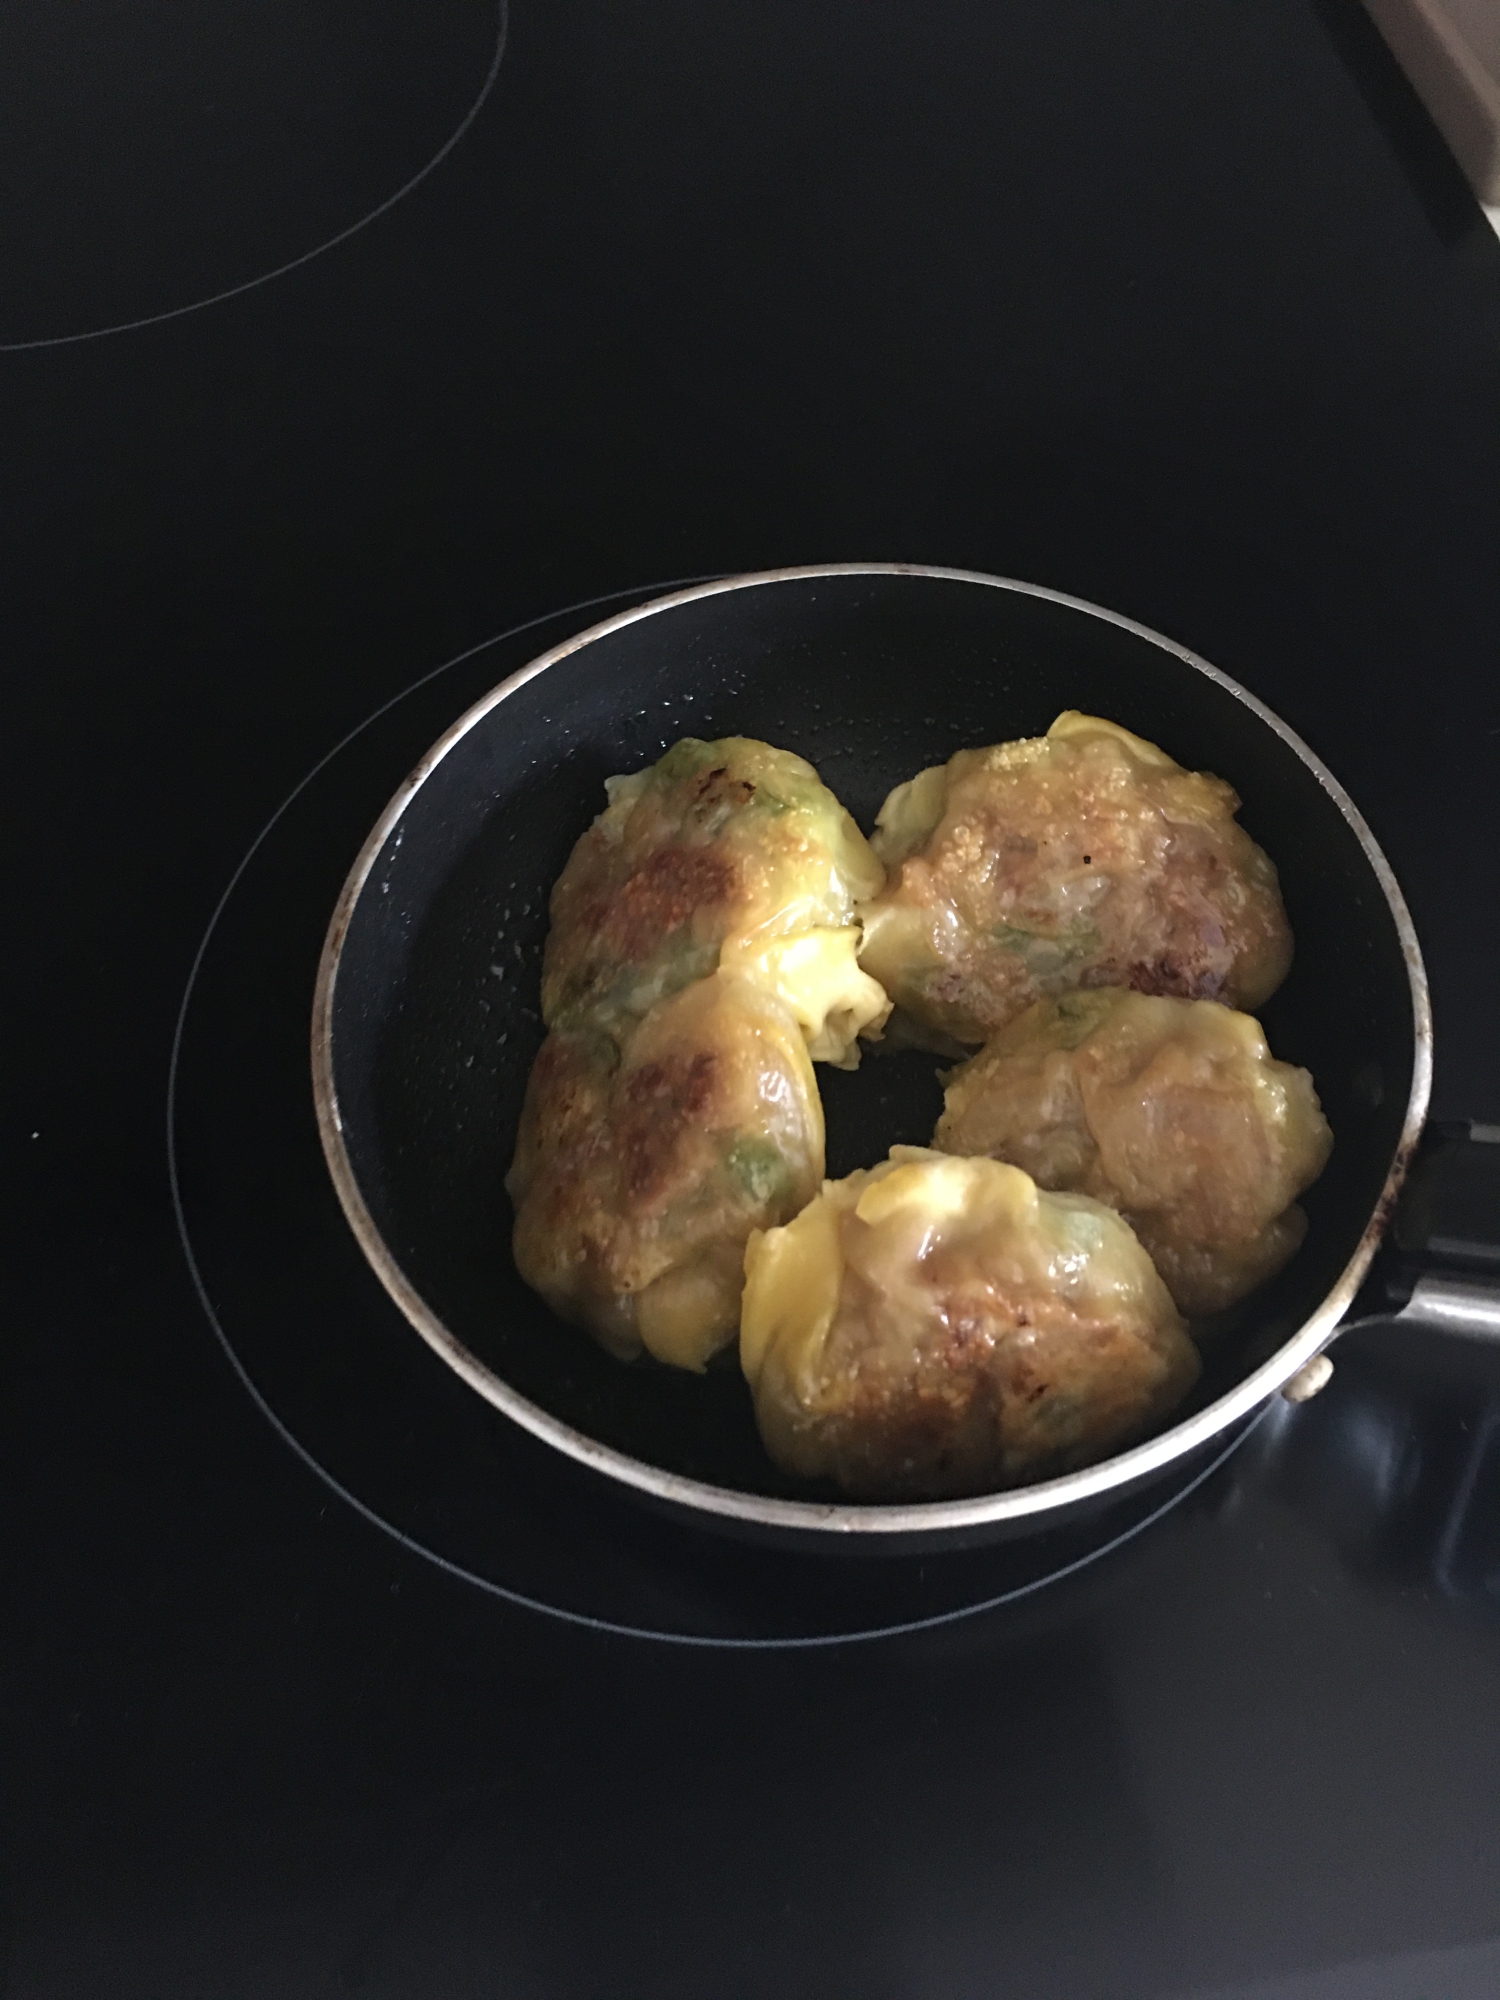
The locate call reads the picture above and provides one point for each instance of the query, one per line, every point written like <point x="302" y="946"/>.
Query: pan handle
<point x="1468" y="1306"/>
<point x="1440" y="1268"/>
<point x="1443" y="1268"/>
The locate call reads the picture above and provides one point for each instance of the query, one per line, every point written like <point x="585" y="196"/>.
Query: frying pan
<point x="425" y="1016"/>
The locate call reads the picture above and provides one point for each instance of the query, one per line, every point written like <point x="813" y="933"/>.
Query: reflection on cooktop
<point x="1398" y="1461"/>
<point x="156" y="160"/>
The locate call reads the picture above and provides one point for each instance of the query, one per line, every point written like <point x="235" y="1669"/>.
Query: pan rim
<point x="819" y="1519"/>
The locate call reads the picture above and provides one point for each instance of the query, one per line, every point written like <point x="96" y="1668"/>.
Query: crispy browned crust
<point x="659" y="1104"/>
<point x="1055" y="872"/>
<point x="1005" y="1392"/>
<point x="669" y="889"/>
<point x="628" y="1162"/>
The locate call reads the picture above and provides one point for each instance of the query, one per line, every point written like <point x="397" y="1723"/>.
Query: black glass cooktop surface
<point x="161" y="159"/>
<point x="1185" y="311"/>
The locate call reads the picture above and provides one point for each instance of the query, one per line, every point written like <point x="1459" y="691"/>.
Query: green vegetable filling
<point x="1045" y="954"/>
<point x="636" y="989"/>
<point x="759" y="1168"/>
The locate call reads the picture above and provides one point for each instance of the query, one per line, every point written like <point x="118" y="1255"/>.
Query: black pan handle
<point x="1440" y="1265"/>
<point x="1447" y="1221"/>
<point x="1443" y="1269"/>
<point x="1449" y="1212"/>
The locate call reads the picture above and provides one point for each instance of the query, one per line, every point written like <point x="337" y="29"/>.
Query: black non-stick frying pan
<point x="426" y="1023"/>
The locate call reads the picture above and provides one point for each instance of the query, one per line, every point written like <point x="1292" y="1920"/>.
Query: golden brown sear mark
<point x="660" y="1100"/>
<point x="666" y="892"/>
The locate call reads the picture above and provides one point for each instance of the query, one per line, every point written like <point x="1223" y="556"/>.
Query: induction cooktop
<point x="195" y="154"/>
<point x="352" y="355"/>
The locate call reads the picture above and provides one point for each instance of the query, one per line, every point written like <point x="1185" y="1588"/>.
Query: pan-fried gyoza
<point x="1085" y="857"/>
<point x="937" y="1326"/>
<point x="963" y="1317"/>
<point x="642" y="1166"/>
<point x="729" y="853"/>
<point x="1172" y="1111"/>
<point x="702" y="950"/>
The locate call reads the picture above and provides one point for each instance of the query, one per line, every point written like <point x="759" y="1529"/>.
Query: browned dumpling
<point x="730" y="854"/>
<point x="1085" y="857"/>
<point x="1172" y="1111"/>
<point x="940" y="1326"/>
<point x="640" y="1172"/>
<point x="702" y="951"/>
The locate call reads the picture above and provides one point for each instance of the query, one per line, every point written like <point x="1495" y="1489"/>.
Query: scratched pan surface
<point x="426" y="1023"/>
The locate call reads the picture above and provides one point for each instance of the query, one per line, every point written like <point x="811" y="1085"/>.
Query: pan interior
<point x="871" y="677"/>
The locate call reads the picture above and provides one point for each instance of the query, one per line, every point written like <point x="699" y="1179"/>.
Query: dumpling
<point x="1084" y="857"/>
<point x="727" y="854"/>
<point x="702" y="951"/>
<point x="642" y="1166"/>
<point x="1172" y="1111"/>
<point x="939" y="1326"/>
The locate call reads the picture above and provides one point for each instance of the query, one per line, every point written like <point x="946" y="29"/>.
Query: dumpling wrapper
<point x="640" y="1173"/>
<point x="1085" y="857"/>
<point x="937" y="1326"/>
<point x="1174" y="1112"/>
<point x="728" y="854"/>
